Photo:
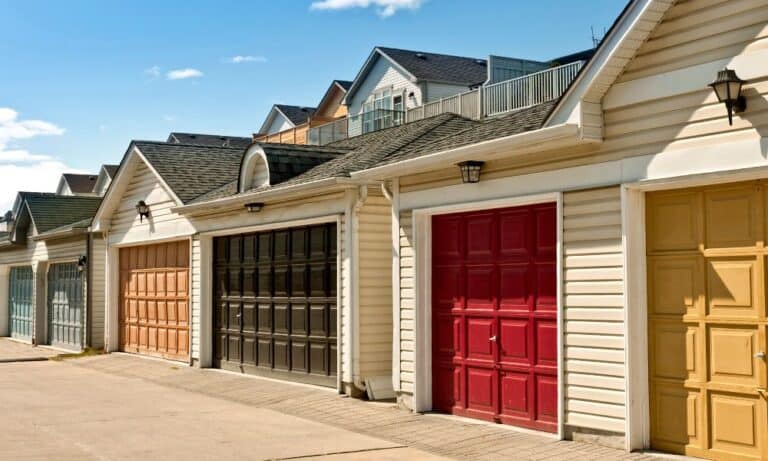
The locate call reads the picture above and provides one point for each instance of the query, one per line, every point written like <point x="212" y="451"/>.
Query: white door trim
<point x="422" y="234"/>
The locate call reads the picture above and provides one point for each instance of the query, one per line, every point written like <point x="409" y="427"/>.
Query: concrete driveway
<point x="54" y="410"/>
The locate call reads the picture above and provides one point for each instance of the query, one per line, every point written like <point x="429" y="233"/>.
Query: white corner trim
<point x="395" y="208"/>
<point x="637" y="433"/>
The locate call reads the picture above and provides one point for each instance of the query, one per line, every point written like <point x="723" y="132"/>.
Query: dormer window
<point x="254" y="172"/>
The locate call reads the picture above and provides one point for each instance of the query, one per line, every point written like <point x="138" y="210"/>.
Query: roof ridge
<point x="429" y="52"/>
<point x="178" y="144"/>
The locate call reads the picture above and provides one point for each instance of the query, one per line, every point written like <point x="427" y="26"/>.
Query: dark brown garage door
<point x="275" y="303"/>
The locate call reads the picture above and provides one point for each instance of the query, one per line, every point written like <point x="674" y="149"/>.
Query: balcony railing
<point x="528" y="90"/>
<point x="329" y="132"/>
<point x="486" y="101"/>
<point x="375" y="120"/>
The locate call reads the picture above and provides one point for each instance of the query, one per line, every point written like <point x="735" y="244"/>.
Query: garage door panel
<point x="481" y="288"/>
<point x="515" y="287"/>
<point x="494" y="327"/>
<point x="706" y="318"/>
<point x="731" y="355"/>
<point x="292" y="303"/>
<point x="732" y="217"/>
<point x="20" y="308"/>
<point x="515" y="234"/>
<point x="676" y="285"/>
<point x="545" y="245"/>
<point x="732" y="287"/>
<point x="734" y="421"/>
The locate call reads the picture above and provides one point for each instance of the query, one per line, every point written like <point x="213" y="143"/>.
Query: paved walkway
<point x="17" y="351"/>
<point x="440" y="435"/>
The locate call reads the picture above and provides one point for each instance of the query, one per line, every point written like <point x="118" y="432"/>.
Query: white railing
<point x="486" y="101"/>
<point x="528" y="90"/>
<point x="465" y="104"/>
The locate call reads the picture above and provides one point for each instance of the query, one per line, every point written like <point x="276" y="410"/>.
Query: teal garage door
<point x="66" y="302"/>
<point x="20" y="308"/>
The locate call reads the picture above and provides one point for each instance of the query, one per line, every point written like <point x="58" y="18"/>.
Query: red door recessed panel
<point x="494" y="291"/>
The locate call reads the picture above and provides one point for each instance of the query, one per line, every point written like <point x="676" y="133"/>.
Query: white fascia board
<point x="229" y="203"/>
<point x="569" y="103"/>
<point x="485" y="150"/>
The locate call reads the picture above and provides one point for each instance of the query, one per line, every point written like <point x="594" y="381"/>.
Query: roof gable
<point x="51" y="211"/>
<point x="80" y="183"/>
<point x="423" y="66"/>
<point x="333" y="98"/>
<point x="630" y="30"/>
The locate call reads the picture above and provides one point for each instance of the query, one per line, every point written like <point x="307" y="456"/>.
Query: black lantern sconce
<point x="727" y="87"/>
<point x="470" y="171"/>
<point x="143" y="210"/>
<point x="254" y="207"/>
<point x="82" y="263"/>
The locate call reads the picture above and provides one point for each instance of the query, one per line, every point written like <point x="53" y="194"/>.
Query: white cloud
<point x="169" y="118"/>
<point x="21" y="169"/>
<point x="153" y="72"/>
<point x="241" y="59"/>
<point x="384" y="8"/>
<point x="180" y="74"/>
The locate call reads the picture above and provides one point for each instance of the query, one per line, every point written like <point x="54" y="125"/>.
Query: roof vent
<point x="421" y="56"/>
<point x="480" y="61"/>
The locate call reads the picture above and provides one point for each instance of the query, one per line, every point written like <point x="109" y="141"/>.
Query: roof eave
<point x="566" y="134"/>
<point x="60" y="233"/>
<point x="228" y="204"/>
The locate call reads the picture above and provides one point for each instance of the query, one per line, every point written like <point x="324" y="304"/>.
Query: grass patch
<point x="87" y="352"/>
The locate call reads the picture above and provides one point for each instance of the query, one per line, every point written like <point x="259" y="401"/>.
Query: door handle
<point x="492" y="338"/>
<point x="760" y="355"/>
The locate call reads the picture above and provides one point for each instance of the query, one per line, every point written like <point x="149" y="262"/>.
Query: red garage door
<point x="494" y="315"/>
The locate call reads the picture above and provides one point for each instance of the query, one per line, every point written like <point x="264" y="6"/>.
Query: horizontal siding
<point x="98" y="268"/>
<point x="163" y="223"/>
<point x="375" y="264"/>
<point x="594" y="310"/>
<point x="700" y="31"/>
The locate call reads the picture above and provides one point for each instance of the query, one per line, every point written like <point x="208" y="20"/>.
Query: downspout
<point x="88" y="290"/>
<point x="354" y="205"/>
<point x="362" y="196"/>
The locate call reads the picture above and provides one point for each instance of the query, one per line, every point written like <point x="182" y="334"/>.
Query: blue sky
<point x="79" y="79"/>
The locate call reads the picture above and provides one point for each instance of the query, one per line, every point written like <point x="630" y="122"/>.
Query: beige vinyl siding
<point x="594" y="310"/>
<point x="699" y="31"/>
<point x="407" y="303"/>
<point x="98" y="268"/>
<point x="195" y="300"/>
<point x="375" y="285"/>
<point x="125" y="222"/>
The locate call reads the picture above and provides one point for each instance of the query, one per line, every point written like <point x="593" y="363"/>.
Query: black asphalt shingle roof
<point x="111" y="170"/>
<point x="192" y="170"/>
<point x="439" y="67"/>
<point x="213" y="140"/>
<point x="50" y="211"/>
<point x="296" y="114"/>
<point x="80" y="183"/>
<point x="346" y="84"/>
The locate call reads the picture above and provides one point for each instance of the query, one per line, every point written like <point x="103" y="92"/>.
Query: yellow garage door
<point x="707" y="250"/>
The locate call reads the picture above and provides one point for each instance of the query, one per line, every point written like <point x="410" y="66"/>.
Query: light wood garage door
<point x="707" y="320"/>
<point x="154" y="304"/>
